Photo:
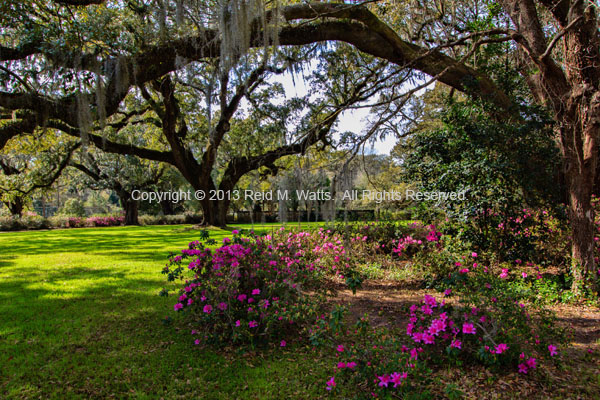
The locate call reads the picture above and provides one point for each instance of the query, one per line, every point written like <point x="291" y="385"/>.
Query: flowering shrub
<point x="490" y="324"/>
<point x="246" y="290"/>
<point x="378" y="365"/>
<point x="538" y="236"/>
<point x="487" y="325"/>
<point x="105" y="221"/>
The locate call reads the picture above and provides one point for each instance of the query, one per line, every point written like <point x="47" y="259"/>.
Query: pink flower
<point x="222" y="306"/>
<point x="456" y="344"/>
<point x="524" y="275"/>
<point x="238" y="323"/>
<point x="437" y="326"/>
<point x="283" y="343"/>
<point x="340" y="348"/>
<point x="351" y="364"/>
<point x="235" y="231"/>
<point x="552" y="350"/>
<point x="341" y="365"/>
<point x="242" y="297"/>
<point x="178" y="306"/>
<point x="331" y="383"/>
<point x="256" y="292"/>
<point x="501" y="348"/>
<point x="384" y="380"/>
<point x="522" y="368"/>
<point x="397" y="378"/>
<point x="252" y="324"/>
<point x="474" y="255"/>
<point x="197" y="341"/>
<point x="447" y="292"/>
<point x="414" y="354"/>
<point x="207" y="309"/>
<point x="531" y="363"/>
<point x="464" y="271"/>
<point x="468" y="328"/>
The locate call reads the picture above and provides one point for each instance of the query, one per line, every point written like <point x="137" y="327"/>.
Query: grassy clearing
<point x="80" y="317"/>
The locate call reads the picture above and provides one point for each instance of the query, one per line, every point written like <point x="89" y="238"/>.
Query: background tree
<point x="120" y="174"/>
<point x="30" y="164"/>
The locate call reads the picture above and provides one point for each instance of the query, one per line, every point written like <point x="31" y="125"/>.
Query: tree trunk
<point x="215" y="211"/>
<point x="16" y="207"/>
<point x="581" y="161"/>
<point x="131" y="209"/>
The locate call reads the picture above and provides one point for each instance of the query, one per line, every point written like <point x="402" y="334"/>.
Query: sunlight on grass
<point x="81" y="318"/>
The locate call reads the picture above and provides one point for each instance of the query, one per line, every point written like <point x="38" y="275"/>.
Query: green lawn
<point x="80" y="317"/>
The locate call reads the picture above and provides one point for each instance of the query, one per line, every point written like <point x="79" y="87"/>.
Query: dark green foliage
<point x="503" y="167"/>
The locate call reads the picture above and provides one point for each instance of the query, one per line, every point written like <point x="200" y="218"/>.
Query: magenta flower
<point x="397" y="378"/>
<point x="256" y="292"/>
<point x="552" y="350"/>
<point x="351" y="364"/>
<point x="531" y="363"/>
<point x="456" y="344"/>
<point x="197" y="341"/>
<point x="283" y="343"/>
<point x="414" y="354"/>
<point x="340" y="348"/>
<point x="437" y="326"/>
<point x="235" y="231"/>
<point x="207" y="309"/>
<point x="242" y="297"/>
<point x="341" y="365"/>
<point x="252" y="324"/>
<point x="504" y="273"/>
<point x="522" y="368"/>
<point x="468" y="328"/>
<point x="384" y="380"/>
<point x="178" y="306"/>
<point x="474" y="255"/>
<point x="222" y="306"/>
<point x="238" y="323"/>
<point x="331" y="383"/>
<point x="501" y="348"/>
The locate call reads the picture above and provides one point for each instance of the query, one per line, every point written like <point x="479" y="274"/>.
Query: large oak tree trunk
<point x="580" y="152"/>
<point x="215" y="212"/>
<point x="16" y="207"/>
<point x="131" y="208"/>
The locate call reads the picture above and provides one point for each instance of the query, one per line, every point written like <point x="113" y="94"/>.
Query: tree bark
<point x="131" y="208"/>
<point x="16" y="206"/>
<point x="581" y="161"/>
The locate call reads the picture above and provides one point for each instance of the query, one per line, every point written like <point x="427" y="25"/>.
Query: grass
<point x="80" y="317"/>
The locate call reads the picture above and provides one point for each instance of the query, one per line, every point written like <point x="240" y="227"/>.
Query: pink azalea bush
<point x="487" y="326"/>
<point x="247" y="290"/>
<point x="105" y="221"/>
